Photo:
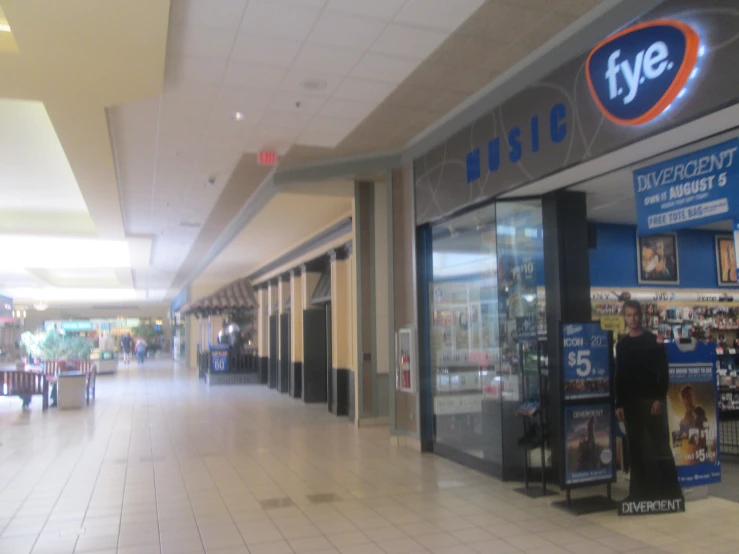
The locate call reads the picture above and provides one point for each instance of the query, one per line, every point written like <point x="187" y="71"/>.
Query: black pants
<point x="653" y="471"/>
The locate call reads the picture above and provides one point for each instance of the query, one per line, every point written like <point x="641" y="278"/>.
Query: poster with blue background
<point x="694" y="189"/>
<point x="586" y="361"/>
<point x="692" y="413"/>
<point x="219" y="357"/>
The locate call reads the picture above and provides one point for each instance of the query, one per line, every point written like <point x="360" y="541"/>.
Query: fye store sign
<point x="635" y="75"/>
<point x="693" y="189"/>
<point x="659" y="73"/>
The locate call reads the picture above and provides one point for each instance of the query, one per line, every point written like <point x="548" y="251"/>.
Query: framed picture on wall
<point x="726" y="261"/>
<point x="657" y="259"/>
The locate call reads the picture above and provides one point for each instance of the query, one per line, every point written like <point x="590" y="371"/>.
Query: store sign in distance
<point x="637" y="73"/>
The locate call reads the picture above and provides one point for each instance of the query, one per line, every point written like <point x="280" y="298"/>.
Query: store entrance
<point x="686" y="283"/>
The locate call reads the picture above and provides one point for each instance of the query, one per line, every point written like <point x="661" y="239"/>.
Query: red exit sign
<point x="266" y="157"/>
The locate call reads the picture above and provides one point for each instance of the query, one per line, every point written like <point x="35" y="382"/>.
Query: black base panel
<point x="587" y="505"/>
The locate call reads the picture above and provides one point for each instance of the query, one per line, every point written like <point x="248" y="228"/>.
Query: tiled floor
<point x="162" y="464"/>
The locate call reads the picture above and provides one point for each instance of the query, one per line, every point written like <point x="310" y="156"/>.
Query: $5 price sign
<point x="587" y="362"/>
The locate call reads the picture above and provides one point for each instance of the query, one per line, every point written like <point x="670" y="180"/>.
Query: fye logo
<point x="637" y="73"/>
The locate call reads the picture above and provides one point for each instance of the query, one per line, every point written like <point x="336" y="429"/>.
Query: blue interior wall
<point x="613" y="262"/>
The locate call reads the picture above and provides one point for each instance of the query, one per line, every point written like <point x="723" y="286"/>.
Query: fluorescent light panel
<point x="38" y="252"/>
<point x="55" y="294"/>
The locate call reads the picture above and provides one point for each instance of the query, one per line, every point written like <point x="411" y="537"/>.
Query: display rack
<point x="535" y="413"/>
<point x="587" y="361"/>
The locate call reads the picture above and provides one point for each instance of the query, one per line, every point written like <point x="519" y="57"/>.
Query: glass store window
<point x="487" y="272"/>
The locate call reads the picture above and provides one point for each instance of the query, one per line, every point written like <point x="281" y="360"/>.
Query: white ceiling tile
<point x="321" y="139"/>
<point x="227" y="131"/>
<point x="337" y="29"/>
<point x="200" y="41"/>
<point x="179" y="147"/>
<point x="410" y="42"/>
<point x="217" y="161"/>
<point x="286" y="101"/>
<point x="363" y="90"/>
<point x="250" y="102"/>
<point x="315" y="4"/>
<point x="324" y="123"/>
<point x="279" y="19"/>
<point x="257" y="144"/>
<point x="254" y="75"/>
<point x="296" y="79"/>
<point x="381" y="67"/>
<point x="350" y="109"/>
<point x="189" y="69"/>
<point x="285" y="119"/>
<point x="381" y="9"/>
<point x="268" y="51"/>
<point x="328" y="59"/>
<point x="445" y="15"/>
<point x="225" y="14"/>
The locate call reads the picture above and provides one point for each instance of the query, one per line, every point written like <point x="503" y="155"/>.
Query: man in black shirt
<point x="641" y="392"/>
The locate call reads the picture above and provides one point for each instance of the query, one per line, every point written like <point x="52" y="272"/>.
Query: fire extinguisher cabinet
<point x="406" y="360"/>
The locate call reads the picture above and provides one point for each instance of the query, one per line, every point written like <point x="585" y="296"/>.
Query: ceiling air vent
<point x="189" y="225"/>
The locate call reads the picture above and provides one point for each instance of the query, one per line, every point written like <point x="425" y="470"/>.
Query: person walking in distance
<point x="140" y="350"/>
<point x="126" y="346"/>
<point x="641" y="393"/>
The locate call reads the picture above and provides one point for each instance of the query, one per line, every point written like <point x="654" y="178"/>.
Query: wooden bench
<point x="24" y="383"/>
<point x="88" y="367"/>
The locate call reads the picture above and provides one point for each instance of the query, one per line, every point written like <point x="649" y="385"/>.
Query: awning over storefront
<point x="239" y="295"/>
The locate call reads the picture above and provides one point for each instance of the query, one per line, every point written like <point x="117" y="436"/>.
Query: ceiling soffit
<point x="77" y="57"/>
<point x="495" y="38"/>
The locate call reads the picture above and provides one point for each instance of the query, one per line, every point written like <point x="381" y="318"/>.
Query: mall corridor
<point x="163" y="463"/>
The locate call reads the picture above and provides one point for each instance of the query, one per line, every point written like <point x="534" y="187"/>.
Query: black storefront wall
<point x="567" y="277"/>
<point x="555" y="123"/>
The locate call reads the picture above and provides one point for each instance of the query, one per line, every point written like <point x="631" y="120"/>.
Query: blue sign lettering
<point x="518" y="143"/>
<point x="689" y="190"/>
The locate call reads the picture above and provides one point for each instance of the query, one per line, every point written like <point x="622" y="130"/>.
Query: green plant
<point x="50" y="346"/>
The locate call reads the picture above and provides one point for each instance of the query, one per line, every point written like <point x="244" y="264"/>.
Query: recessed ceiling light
<point x="238" y="116"/>
<point x="314" y="84"/>
<point x="4" y="28"/>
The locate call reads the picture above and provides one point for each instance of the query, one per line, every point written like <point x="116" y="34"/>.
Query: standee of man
<point x="642" y="380"/>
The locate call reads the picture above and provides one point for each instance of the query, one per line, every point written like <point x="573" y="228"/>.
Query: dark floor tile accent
<point x="273" y="503"/>
<point x="325" y="498"/>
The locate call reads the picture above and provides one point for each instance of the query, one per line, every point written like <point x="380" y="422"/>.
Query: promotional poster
<point x="586" y="361"/>
<point x="693" y="189"/>
<point x="589" y="448"/>
<point x="692" y="412"/>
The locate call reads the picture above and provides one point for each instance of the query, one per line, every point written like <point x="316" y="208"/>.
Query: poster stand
<point x="538" y="410"/>
<point x="587" y="414"/>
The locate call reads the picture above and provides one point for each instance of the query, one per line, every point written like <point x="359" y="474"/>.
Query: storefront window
<point x="464" y="330"/>
<point x="487" y="278"/>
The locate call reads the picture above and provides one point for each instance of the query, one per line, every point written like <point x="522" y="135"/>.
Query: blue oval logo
<point x="637" y="73"/>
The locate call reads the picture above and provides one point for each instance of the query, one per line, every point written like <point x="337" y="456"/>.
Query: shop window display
<point x="487" y="273"/>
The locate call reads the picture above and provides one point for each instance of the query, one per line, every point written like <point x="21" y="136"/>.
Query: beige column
<point x="263" y="334"/>
<point x="272" y="344"/>
<point x="296" y="316"/>
<point x="262" y="323"/>
<point x="343" y="333"/>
